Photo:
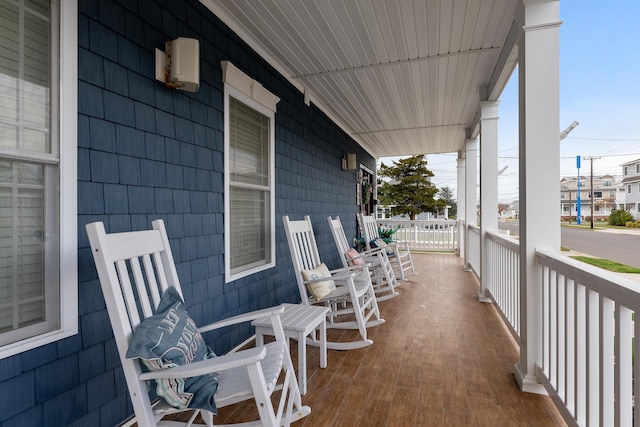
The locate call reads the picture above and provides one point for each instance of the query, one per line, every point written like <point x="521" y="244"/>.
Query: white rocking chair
<point x="401" y="258"/>
<point x="145" y="257"/>
<point x="382" y="275"/>
<point x="353" y="295"/>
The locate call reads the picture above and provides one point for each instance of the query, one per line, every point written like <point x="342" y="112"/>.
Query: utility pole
<point x="563" y="135"/>
<point x="592" y="192"/>
<point x="578" y="200"/>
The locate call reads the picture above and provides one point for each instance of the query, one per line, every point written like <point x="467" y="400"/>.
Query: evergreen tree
<point x="446" y="194"/>
<point x="409" y="190"/>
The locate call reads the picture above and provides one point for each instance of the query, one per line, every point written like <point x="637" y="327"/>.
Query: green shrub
<point x="620" y="217"/>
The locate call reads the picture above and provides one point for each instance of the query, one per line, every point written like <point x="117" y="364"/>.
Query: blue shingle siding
<point x="56" y="377"/>
<point x="66" y="407"/>
<point x="148" y="152"/>
<point x="17" y="394"/>
<point x="115" y="78"/>
<point x="30" y="417"/>
<point x="10" y="367"/>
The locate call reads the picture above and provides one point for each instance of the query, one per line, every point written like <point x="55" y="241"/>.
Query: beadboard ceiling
<point x="401" y="77"/>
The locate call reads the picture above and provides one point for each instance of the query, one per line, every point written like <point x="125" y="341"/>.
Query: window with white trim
<point x="38" y="214"/>
<point x="249" y="137"/>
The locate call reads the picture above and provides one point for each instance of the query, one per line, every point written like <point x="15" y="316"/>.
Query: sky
<point x="599" y="88"/>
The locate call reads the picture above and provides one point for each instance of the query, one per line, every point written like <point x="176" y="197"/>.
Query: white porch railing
<point x="439" y="235"/>
<point x="588" y="362"/>
<point x="504" y="278"/>
<point x="588" y="352"/>
<point x="473" y="248"/>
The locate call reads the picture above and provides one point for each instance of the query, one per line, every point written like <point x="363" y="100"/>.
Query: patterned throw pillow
<point x="319" y="289"/>
<point x="170" y="338"/>
<point x="354" y="257"/>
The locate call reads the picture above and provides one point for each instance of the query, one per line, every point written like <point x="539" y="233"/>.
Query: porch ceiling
<point x="401" y="77"/>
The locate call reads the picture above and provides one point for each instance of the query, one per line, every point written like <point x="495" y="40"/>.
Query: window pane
<point x="249" y="227"/>
<point x="29" y="190"/>
<point x="25" y="87"/>
<point x="249" y="144"/>
<point x="21" y="245"/>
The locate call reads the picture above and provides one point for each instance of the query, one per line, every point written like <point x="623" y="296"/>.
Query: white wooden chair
<point x="382" y="275"/>
<point x="353" y="295"/>
<point x="401" y="258"/>
<point x="135" y="268"/>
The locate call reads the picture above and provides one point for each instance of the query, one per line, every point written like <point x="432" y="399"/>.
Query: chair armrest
<point x="332" y="277"/>
<point x="399" y="244"/>
<point x="373" y="253"/>
<point x="208" y="366"/>
<point x="341" y="274"/>
<point x="348" y="271"/>
<point x="241" y="318"/>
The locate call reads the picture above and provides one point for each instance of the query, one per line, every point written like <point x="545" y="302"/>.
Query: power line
<point x="604" y="139"/>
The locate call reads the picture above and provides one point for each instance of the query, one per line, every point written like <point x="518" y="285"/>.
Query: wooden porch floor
<point x="441" y="359"/>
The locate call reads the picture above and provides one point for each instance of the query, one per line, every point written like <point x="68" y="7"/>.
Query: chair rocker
<point x="382" y="275"/>
<point x="353" y="295"/>
<point x="135" y="269"/>
<point x="401" y="258"/>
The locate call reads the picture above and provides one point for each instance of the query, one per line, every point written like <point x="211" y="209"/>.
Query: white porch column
<point x="460" y="197"/>
<point x="488" y="188"/>
<point x="470" y="183"/>
<point x="539" y="171"/>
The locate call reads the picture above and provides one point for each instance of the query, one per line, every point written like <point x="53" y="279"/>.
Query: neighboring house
<point x="132" y="150"/>
<point x="512" y="211"/>
<point x="604" y="197"/>
<point x="631" y="187"/>
<point x="621" y="198"/>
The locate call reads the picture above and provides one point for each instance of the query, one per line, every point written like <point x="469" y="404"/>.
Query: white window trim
<point x="68" y="271"/>
<point x="250" y="92"/>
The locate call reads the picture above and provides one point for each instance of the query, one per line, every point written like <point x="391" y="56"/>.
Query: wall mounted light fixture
<point x="178" y="67"/>
<point x="349" y="162"/>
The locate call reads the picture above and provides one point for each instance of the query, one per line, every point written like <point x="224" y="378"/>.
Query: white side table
<point x="298" y="321"/>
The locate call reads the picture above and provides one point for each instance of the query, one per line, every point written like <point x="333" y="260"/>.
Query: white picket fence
<point x="433" y="235"/>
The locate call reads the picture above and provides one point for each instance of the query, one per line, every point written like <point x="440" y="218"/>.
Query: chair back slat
<point x="369" y="228"/>
<point x="128" y="297"/>
<point x="304" y="252"/>
<point x="141" y="281"/>
<point x="148" y="262"/>
<point x="137" y="263"/>
<point x="340" y="238"/>
<point x="306" y="257"/>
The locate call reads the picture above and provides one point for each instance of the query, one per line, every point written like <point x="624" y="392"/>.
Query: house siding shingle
<point x="148" y="152"/>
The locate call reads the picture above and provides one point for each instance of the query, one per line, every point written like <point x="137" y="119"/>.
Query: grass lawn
<point x="607" y="265"/>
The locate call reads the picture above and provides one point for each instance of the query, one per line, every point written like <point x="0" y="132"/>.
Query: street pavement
<point x="632" y="255"/>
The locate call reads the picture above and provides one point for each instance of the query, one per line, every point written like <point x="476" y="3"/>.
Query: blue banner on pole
<point x="578" y="162"/>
